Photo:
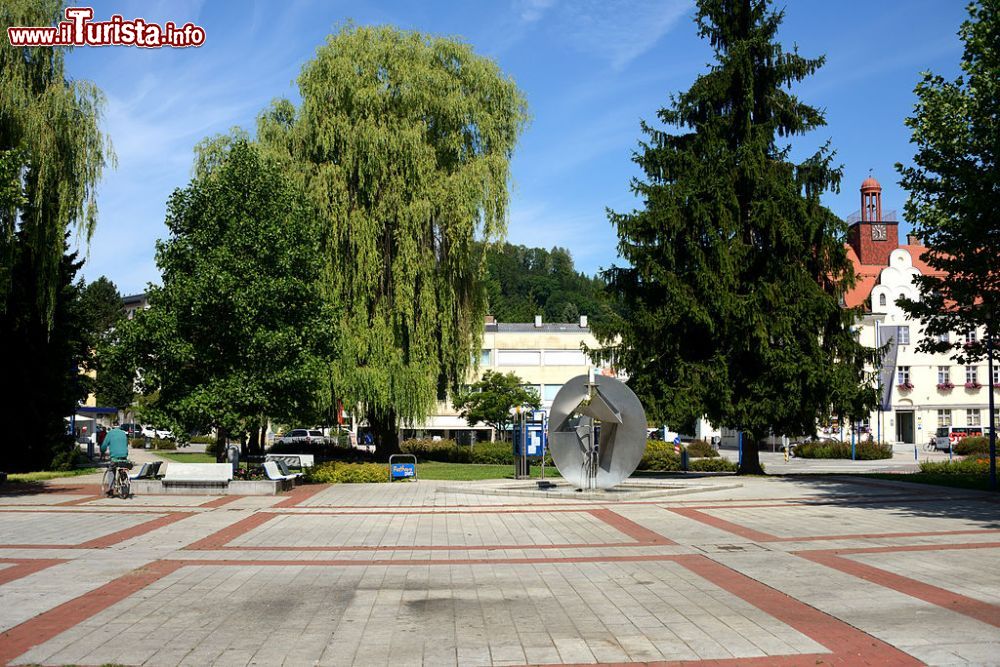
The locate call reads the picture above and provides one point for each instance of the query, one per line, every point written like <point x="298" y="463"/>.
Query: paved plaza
<point x="755" y="571"/>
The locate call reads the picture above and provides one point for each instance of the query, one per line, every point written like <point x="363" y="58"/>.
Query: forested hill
<point x="523" y="282"/>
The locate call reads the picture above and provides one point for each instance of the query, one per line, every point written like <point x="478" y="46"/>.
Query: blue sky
<point x="591" y="69"/>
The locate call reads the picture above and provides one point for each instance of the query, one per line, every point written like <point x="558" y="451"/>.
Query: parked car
<point x="302" y="436"/>
<point x="132" y="430"/>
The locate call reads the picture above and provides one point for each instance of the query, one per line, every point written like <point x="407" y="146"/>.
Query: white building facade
<point x="920" y="391"/>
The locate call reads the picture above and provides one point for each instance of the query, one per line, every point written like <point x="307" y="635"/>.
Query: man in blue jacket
<point x="116" y="444"/>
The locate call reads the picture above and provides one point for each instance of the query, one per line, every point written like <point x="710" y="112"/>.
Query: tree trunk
<point x="386" y="433"/>
<point x="750" y="456"/>
<point x="220" y="445"/>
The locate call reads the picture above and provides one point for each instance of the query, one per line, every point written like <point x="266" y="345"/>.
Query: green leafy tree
<point x="523" y="282"/>
<point x="239" y="332"/>
<point x="104" y="313"/>
<point x="954" y="187"/>
<point x="491" y="400"/>
<point x="403" y="143"/>
<point x="729" y="305"/>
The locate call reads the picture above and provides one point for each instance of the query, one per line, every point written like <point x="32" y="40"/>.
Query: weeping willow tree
<point x="52" y="153"/>
<point x="403" y="142"/>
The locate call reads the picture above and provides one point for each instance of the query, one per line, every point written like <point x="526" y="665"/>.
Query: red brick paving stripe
<point x="910" y="547"/>
<point x="977" y="609"/>
<point x="134" y="531"/>
<point x="852" y="646"/>
<point x="220" y="501"/>
<point x="112" y="538"/>
<point x="80" y="501"/>
<point x="722" y="524"/>
<point x="219" y="540"/>
<point x="758" y="536"/>
<point x="45" y="626"/>
<point x="301" y="493"/>
<point x="22" y="568"/>
<point x="636" y="531"/>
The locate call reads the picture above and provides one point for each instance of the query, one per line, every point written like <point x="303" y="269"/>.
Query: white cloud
<point x="533" y="10"/>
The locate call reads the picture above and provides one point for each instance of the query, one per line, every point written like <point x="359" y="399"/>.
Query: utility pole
<point x="991" y="408"/>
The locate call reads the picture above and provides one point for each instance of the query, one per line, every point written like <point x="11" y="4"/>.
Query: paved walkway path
<point x="775" y="571"/>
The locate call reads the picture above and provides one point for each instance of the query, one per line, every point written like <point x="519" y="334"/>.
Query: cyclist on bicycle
<point x="116" y="444"/>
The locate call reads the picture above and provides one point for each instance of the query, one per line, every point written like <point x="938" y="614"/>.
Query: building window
<point x="944" y="417"/>
<point x="971" y="375"/>
<point x="550" y="391"/>
<point x="996" y="374"/>
<point x="903" y="376"/>
<point x="565" y="358"/>
<point x="485" y="357"/>
<point x="970" y="337"/>
<point x="972" y="417"/>
<point x="944" y="375"/>
<point x="904" y="335"/>
<point x="944" y="338"/>
<point x="881" y="299"/>
<point x="519" y="357"/>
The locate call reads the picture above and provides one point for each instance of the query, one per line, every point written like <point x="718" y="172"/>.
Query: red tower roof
<point x="870" y="184"/>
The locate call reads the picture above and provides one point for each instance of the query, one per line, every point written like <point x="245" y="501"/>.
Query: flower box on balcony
<point x="905" y="386"/>
<point x="972" y="385"/>
<point x="945" y="386"/>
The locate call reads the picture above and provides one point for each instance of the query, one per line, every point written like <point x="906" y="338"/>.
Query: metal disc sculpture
<point x="597" y="432"/>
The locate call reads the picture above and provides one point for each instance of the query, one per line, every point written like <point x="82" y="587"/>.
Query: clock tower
<point x="871" y="237"/>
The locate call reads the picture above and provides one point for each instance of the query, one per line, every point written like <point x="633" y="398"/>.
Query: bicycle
<point x="930" y="446"/>
<point x="116" y="481"/>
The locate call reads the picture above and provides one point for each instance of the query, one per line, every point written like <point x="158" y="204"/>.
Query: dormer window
<point x="881" y="299"/>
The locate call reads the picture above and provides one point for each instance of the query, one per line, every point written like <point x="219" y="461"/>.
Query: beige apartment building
<point x="544" y="355"/>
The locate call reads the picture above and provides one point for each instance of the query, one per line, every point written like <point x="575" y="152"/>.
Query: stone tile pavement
<point x="788" y="571"/>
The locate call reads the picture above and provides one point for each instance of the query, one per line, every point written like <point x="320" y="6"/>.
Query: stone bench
<point x="198" y="474"/>
<point x="294" y="460"/>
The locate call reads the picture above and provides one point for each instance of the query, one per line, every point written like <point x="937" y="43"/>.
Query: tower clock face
<point x="878" y="233"/>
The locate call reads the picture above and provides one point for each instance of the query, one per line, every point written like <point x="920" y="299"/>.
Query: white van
<point x="949" y="436"/>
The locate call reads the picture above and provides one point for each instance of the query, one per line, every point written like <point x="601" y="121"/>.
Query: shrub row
<point x="977" y="444"/>
<point x="154" y="443"/>
<point x="659" y="456"/>
<point x="202" y="439"/>
<point x="700" y="448"/>
<point x="865" y="451"/>
<point x="323" y="452"/>
<point x="448" y="451"/>
<point x="338" y="472"/>
<point x="969" y="466"/>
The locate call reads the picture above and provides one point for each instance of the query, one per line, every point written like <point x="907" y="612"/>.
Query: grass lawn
<point x="977" y="482"/>
<point x="187" y="457"/>
<point x="473" y="471"/>
<point x="44" y="475"/>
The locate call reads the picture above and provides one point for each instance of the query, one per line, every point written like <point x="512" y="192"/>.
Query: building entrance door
<point x="904" y="427"/>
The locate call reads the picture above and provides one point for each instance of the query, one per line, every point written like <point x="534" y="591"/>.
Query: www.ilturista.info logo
<point x="79" y="30"/>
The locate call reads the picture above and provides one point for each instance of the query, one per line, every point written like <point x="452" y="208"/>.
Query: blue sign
<point x="402" y="470"/>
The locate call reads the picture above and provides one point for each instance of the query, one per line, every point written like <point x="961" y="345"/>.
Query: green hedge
<point x="969" y="466"/>
<point x="337" y="472"/>
<point x="202" y="439"/>
<point x="448" y="451"/>
<point x="976" y="444"/>
<point x="323" y="452"/>
<point x="700" y="448"/>
<point x="660" y="457"/>
<point x="154" y="443"/>
<point x="864" y="451"/>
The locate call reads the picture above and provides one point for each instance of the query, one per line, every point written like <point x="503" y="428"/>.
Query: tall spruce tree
<point x="954" y="187"/>
<point x="730" y="303"/>
<point x="403" y="142"/>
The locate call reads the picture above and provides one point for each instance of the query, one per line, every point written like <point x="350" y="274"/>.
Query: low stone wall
<point x="263" y="487"/>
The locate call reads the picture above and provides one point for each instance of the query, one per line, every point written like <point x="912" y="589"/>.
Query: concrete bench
<point x="198" y="474"/>
<point x="294" y="460"/>
<point x="272" y="472"/>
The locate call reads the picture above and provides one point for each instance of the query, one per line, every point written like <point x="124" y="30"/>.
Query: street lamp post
<point x="991" y="408"/>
